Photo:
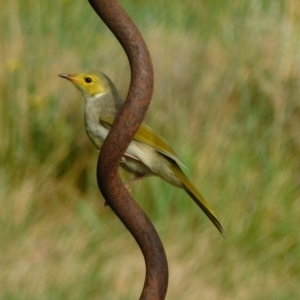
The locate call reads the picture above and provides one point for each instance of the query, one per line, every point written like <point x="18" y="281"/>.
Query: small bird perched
<point x="148" y="153"/>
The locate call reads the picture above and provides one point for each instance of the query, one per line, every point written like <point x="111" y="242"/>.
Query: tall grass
<point x="226" y="98"/>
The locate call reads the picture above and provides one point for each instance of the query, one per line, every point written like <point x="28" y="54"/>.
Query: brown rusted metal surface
<point x="137" y="102"/>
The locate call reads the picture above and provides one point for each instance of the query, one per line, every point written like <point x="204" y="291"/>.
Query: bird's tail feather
<point x="197" y="197"/>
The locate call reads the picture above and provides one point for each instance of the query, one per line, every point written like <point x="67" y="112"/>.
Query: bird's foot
<point x="128" y="183"/>
<point x="135" y="178"/>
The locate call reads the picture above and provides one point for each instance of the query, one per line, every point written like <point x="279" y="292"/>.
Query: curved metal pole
<point x="117" y="141"/>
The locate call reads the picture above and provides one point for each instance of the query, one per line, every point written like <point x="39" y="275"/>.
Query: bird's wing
<point x="147" y="135"/>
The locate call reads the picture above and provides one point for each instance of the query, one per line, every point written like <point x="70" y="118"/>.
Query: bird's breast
<point x="96" y="132"/>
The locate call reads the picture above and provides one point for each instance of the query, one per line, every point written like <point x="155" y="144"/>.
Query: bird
<point x="148" y="153"/>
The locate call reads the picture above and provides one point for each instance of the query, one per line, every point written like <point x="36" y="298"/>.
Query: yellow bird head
<point x="91" y="83"/>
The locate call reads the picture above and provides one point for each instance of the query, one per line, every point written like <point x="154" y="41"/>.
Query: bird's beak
<point x="67" y="76"/>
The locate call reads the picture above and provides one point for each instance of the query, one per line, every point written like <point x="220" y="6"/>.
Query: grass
<point x="226" y="98"/>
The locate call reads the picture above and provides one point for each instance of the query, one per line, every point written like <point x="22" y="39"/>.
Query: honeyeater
<point x="148" y="153"/>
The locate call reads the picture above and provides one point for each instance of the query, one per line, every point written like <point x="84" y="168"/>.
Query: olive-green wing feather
<point x="197" y="197"/>
<point x="147" y="135"/>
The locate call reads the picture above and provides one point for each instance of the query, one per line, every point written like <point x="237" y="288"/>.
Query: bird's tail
<point x="197" y="197"/>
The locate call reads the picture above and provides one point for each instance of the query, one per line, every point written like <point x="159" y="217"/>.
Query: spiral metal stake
<point x="117" y="141"/>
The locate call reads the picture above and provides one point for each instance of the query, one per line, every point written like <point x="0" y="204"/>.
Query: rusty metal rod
<point x="117" y="141"/>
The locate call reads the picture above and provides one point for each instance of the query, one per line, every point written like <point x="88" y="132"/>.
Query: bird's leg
<point x="127" y="184"/>
<point x="136" y="177"/>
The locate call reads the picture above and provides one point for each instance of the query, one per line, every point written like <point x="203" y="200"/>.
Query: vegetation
<point x="226" y="98"/>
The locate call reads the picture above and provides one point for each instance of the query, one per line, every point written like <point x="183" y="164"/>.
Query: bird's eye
<point x="88" y="79"/>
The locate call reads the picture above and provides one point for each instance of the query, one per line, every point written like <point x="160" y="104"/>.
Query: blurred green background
<point x="227" y="98"/>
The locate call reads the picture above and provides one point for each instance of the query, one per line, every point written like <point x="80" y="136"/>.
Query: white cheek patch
<point x="93" y="98"/>
<point x="97" y="96"/>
